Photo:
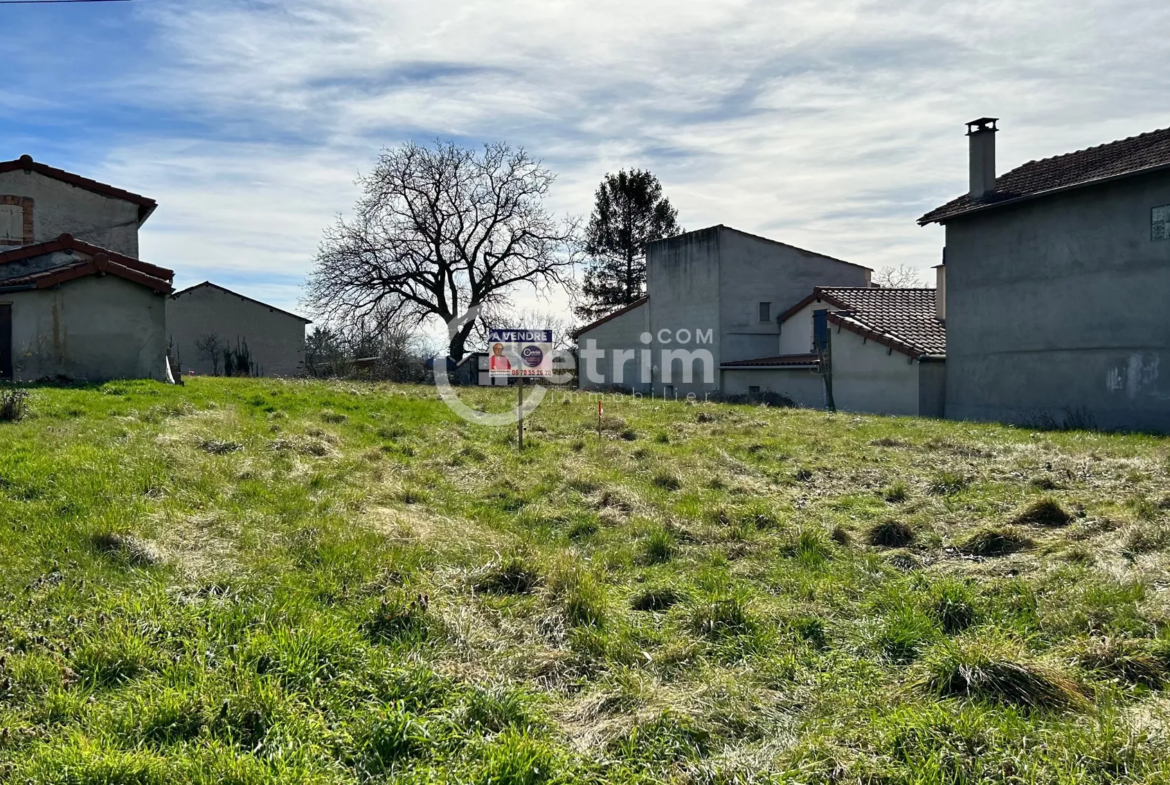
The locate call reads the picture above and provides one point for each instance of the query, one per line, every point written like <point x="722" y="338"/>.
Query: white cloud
<point x="830" y="125"/>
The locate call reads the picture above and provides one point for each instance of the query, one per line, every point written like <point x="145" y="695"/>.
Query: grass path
<point x="246" y="581"/>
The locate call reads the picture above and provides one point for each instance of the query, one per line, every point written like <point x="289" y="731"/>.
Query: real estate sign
<point x="520" y="353"/>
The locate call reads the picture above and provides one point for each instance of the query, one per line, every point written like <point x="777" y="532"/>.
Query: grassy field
<point x="256" y="581"/>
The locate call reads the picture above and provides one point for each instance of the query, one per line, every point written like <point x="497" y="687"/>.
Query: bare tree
<point x="901" y="277"/>
<point x="438" y="231"/>
<point x="211" y="347"/>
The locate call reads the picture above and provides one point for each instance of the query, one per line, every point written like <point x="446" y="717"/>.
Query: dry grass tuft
<point x="127" y="548"/>
<point x="1043" y="512"/>
<point x="999" y="673"/>
<point x="995" y="541"/>
<point x="1135" y="661"/>
<point x="891" y="534"/>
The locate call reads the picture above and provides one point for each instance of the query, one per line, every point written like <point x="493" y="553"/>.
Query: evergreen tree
<point x="630" y="211"/>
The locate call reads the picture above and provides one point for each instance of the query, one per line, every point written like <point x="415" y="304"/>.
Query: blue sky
<point x="828" y="125"/>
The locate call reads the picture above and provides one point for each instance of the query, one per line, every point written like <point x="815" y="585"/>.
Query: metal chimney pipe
<point x="982" y="133"/>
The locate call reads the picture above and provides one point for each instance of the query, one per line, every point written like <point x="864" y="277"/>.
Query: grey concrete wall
<point x="803" y="386"/>
<point x="756" y="270"/>
<point x="932" y="389"/>
<point x="620" y="333"/>
<point x="61" y="208"/>
<point x="867" y="379"/>
<point x="275" y="339"/>
<point x="796" y="334"/>
<point x="1058" y="304"/>
<point x="683" y="280"/>
<point x="90" y="329"/>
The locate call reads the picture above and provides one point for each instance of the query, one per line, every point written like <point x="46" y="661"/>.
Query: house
<point x="76" y="302"/>
<point x="886" y="349"/>
<point x="1042" y="269"/>
<point x="713" y="297"/>
<point x="206" y="321"/>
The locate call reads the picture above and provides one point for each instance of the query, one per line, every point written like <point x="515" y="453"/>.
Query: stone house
<point x="75" y="300"/>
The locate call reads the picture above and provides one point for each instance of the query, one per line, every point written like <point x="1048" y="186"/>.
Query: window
<point x="11" y="223"/>
<point x="765" y="312"/>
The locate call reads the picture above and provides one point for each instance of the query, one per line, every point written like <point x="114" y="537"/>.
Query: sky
<point x="828" y="124"/>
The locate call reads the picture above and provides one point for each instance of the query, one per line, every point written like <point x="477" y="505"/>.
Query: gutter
<point x="24" y="287"/>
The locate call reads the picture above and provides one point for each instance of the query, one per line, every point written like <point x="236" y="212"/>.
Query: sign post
<point x="519" y="354"/>
<point x="598" y="419"/>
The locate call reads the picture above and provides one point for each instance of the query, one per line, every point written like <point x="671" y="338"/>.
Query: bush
<point x="13" y="405"/>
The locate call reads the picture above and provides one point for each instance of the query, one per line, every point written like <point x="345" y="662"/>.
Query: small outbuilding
<point x="208" y="324"/>
<point x="71" y="310"/>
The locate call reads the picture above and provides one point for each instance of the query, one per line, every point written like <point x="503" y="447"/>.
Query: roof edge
<point x="242" y="297"/>
<point x="925" y="220"/>
<point x="623" y="310"/>
<point x="146" y="205"/>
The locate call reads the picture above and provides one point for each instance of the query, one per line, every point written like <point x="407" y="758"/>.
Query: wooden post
<point x="598" y="419"/>
<point x="520" y="413"/>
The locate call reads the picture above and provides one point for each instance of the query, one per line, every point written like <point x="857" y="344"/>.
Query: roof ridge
<point x="1087" y="149"/>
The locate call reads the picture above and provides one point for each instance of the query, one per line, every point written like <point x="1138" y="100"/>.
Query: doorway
<point x="5" y="342"/>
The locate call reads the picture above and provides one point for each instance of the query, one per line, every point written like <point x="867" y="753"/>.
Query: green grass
<point x="253" y="581"/>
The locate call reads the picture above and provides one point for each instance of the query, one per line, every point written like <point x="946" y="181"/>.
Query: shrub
<point x="13" y="405"/>
<point x="1043" y="512"/>
<point x="998" y="673"/>
<point x="891" y="534"/>
<point x="995" y="541"/>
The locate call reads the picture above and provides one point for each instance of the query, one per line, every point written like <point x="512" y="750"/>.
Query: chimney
<point x="982" y="135"/>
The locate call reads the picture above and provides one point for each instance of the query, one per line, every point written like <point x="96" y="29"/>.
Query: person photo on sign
<point x="499" y="362"/>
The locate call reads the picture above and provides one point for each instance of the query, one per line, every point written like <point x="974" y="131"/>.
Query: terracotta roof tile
<point x="68" y="242"/>
<point x="903" y="319"/>
<point x="1127" y="156"/>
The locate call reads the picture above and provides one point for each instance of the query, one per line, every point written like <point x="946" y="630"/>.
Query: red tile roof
<point x="98" y="265"/>
<point x="1105" y="162"/>
<point x="146" y="205"/>
<point x="614" y="315"/>
<point x="782" y="361"/>
<point x="905" y="320"/>
<point x="68" y="242"/>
